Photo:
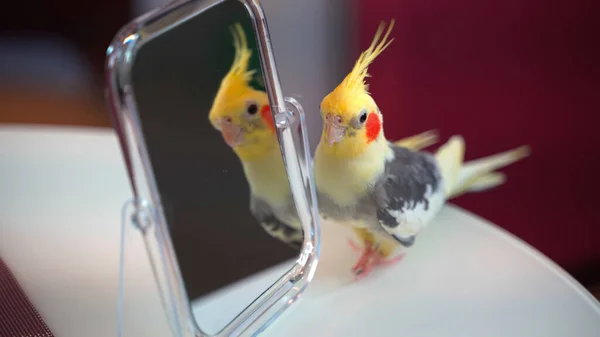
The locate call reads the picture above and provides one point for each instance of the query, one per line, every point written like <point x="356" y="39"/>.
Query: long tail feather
<point x="420" y="141"/>
<point x="482" y="183"/>
<point x="476" y="175"/>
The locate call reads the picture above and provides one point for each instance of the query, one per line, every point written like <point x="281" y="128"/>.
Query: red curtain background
<point x="502" y="74"/>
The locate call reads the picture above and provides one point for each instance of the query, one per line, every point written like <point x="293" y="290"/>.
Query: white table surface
<point x="60" y="206"/>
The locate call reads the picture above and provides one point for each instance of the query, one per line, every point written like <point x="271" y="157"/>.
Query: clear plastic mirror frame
<point x="149" y="217"/>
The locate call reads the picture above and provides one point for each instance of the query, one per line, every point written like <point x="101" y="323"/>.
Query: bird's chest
<point x="347" y="182"/>
<point x="361" y="214"/>
<point x="345" y="186"/>
<point x="268" y="181"/>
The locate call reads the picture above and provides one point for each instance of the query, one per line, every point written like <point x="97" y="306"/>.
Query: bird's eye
<point x="363" y="117"/>
<point x="252" y="109"/>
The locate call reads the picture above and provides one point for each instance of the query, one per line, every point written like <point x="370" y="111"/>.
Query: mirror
<point x="208" y="130"/>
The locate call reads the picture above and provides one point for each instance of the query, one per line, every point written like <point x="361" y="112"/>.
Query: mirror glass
<point x="209" y="132"/>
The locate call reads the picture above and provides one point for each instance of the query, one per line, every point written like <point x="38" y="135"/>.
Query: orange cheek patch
<point x="265" y="113"/>
<point x="373" y="127"/>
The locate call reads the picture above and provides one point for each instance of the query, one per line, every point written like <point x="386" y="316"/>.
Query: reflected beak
<point x="233" y="134"/>
<point x="333" y="133"/>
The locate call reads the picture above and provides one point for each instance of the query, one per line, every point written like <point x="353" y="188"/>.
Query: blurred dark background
<point x="501" y="73"/>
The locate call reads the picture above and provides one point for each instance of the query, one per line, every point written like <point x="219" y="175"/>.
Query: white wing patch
<point x="409" y="195"/>
<point x="412" y="220"/>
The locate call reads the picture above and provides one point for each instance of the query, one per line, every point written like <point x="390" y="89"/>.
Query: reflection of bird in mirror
<point x="385" y="192"/>
<point x="243" y="116"/>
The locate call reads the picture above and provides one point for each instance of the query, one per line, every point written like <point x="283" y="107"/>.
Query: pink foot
<point x="364" y="265"/>
<point x="354" y="246"/>
<point x="369" y="259"/>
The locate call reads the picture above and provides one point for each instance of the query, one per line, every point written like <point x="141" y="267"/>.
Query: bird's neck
<point x="266" y="176"/>
<point x="261" y="146"/>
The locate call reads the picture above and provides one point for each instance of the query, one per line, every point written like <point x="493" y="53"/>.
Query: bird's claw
<point x="354" y="246"/>
<point x="369" y="259"/>
<point x="366" y="263"/>
<point x="363" y="261"/>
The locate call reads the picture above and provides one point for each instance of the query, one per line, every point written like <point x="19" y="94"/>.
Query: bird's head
<point x="351" y="119"/>
<point x="241" y="113"/>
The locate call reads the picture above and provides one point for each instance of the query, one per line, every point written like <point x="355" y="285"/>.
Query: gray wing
<point x="411" y="180"/>
<point x="269" y="221"/>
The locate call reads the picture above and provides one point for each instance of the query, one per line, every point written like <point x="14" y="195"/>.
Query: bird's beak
<point x="233" y="134"/>
<point x="333" y="132"/>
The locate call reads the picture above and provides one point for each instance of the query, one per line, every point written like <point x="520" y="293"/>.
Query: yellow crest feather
<point x="355" y="80"/>
<point x="352" y="95"/>
<point x="236" y="82"/>
<point x="239" y="75"/>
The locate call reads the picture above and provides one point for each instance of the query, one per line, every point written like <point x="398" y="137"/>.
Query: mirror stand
<point x="137" y="239"/>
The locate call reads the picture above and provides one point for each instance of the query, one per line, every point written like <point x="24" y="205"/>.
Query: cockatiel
<point x="243" y="116"/>
<point x="385" y="192"/>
